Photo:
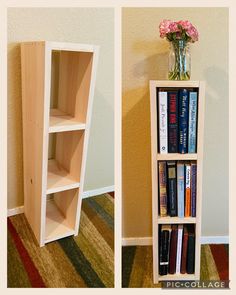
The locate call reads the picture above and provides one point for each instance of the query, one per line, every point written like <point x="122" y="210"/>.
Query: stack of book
<point x="177" y="121"/>
<point x="176" y="249"/>
<point x="177" y="188"/>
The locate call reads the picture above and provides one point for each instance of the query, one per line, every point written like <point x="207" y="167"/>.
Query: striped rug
<point x="83" y="261"/>
<point x="137" y="265"/>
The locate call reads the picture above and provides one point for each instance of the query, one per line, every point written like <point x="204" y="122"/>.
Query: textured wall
<point x="81" y="25"/>
<point x="144" y="59"/>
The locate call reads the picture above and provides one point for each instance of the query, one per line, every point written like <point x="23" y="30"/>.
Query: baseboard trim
<point x="86" y="194"/>
<point x="99" y="191"/>
<point x="143" y="241"/>
<point x="15" y="211"/>
<point x="147" y="241"/>
<point x="215" y="240"/>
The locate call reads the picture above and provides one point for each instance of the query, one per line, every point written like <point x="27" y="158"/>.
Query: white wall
<point x="81" y="25"/>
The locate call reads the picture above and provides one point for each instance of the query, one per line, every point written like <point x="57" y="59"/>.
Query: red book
<point x="173" y="249"/>
<point x="173" y="122"/>
<point x="184" y="251"/>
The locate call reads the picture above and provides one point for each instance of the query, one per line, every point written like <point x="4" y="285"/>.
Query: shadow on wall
<point x="14" y="126"/>
<point x="136" y="141"/>
<point x="136" y="162"/>
<point x="154" y="67"/>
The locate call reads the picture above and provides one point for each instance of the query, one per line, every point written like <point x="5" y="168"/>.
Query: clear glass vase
<point x="179" y="60"/>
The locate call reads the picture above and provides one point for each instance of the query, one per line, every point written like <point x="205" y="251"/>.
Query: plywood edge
<point x="86" y="134"/>
<point x="67" y="46"/>
<point x="169" y="83"/>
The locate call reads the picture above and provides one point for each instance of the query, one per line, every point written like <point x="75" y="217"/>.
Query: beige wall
<point x="81" y="25"/>
<point x="145" y="58"/>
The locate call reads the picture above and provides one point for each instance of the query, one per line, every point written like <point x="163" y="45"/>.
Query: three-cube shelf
<point x="57" y="95"/>
<point x="198" y="86"/>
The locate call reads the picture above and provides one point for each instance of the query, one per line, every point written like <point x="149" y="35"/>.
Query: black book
<point x="172" y="189"/>
<point x="164" y="249"/>
<point x="173" y="122"/>
<point x="191" y="250"/>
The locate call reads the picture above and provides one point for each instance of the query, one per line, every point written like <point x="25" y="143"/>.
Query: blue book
<point x="183" y="120"/>
<point x="192" y="126"/>
<point x="180" y="189"/>
<point x="193" y="188"/>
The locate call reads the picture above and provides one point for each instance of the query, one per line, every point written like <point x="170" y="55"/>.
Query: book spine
<point x="164" y="252"/>
<point x="187" y="190"/>
<point x="162" y="189"/>
<point x="193" y="188"/>
<point x="172" y="191"/>
<point x="179" y="248"/>
<point x="173" y="122"/>
<point x="163" y="132"/>
<point x="192" y="128"/>
<point x="184" y="251"/>
<point x="191" y="251"/>
<point x="180" y="189"/>
<point x="183" y="121"/>
<point x="173" y="249"/>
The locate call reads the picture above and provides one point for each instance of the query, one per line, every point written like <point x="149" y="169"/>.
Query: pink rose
<point x="164" y="27"/>
<point x="174" y="27"/>
<point x="193" y="34"/>
<point x="185" y="24"/>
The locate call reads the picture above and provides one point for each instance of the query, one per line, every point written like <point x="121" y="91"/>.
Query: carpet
<point x="137" y="265"/>
<point x="86" y="260"/>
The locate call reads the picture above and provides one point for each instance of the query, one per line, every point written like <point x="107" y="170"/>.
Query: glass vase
<point x="179" y="60"/>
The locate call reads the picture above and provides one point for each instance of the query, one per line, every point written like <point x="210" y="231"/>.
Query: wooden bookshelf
<point x="199" y="86"/>
<point x="58" y="82"/>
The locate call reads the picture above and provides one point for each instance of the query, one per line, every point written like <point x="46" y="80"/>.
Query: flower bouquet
<point x="179" y="34"/>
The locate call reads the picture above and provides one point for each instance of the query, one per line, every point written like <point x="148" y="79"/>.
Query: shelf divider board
<point x="38" y="123"/>
<point x="60" y="121"/>
<point x="59" y="179"/>
<point x="171" y="157"/>
<point x="178" y="277"/>
<point x="175" y="220"/>
<point x="156" y="220"/>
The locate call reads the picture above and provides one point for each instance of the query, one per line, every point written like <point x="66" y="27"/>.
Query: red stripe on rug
<point x="33" y="274"/>
<point x="221" y="260"/>
<point x="112" y="194"/>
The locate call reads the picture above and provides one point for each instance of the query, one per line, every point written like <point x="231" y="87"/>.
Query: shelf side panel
<point x="200" y="138"/>
<point x="33" y="71"/>
<point x="154" y="143"/>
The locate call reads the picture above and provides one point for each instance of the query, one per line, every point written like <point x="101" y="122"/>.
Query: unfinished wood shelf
<point x="199" y="86"/>
<point x="58" y="82"/>
<point x="60" y="121"/>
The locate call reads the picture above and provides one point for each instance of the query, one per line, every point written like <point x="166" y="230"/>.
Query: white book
<point x="188" y="175"/>
<point x="163" y="136"/>
<point x="179" y="248"/>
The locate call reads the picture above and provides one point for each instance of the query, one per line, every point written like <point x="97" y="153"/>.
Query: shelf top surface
<point x="169" y="83"/>
<point x="67" y="46"/>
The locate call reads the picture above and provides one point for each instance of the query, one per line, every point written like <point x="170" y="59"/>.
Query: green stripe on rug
<point x="101" y="212"/>
<point x="107" y="203"/>
<point x="80" y="263"/>
<point x="128" y="254"/>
